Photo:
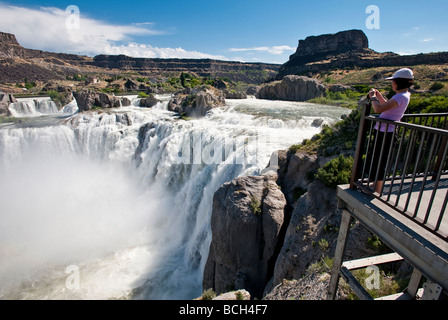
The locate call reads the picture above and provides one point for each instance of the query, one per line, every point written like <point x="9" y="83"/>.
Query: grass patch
<point x="346" y="99"/>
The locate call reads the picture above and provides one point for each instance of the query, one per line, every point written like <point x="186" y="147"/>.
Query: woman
<point x="392" y="109"/>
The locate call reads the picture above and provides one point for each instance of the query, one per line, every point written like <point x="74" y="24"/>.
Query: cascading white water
<point x="124" y="197"/>
<point x="33" y="107"/>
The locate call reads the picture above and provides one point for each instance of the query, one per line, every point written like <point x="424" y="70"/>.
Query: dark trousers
<point x="375" y="161"/>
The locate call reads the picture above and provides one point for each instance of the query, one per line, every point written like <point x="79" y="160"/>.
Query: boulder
<point x="291" y="88"/>
<point x="125" y="102"/>
<point x="197" y="102"/>
<point x="87" y="100"/>
<point x="247" y="218"/>
<point x="149" y="102"/>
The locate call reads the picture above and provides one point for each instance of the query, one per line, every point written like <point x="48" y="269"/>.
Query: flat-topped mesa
<point x="319" y="48"/>
<point x="9" y="46"/>
<point x="8" y="38"/>
<point x="344" y="41"/>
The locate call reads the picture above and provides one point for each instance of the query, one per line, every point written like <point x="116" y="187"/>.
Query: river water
<point x="116" y="204"/>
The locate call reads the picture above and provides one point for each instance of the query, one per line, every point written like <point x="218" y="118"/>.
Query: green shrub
<point x="255" y="205"/>
<point x="56" y="96"/>
<point x="337" y="171"/>
<point x="323" y="244"/>
<point x="142" y="94"/>
<point x="424" y="104"/>
<point x="208" y="294"/>
<point x="437" y="86"/>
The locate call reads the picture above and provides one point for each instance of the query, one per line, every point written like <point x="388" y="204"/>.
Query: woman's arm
<point x="381" y="107"/>
<point x="380" y="104"/>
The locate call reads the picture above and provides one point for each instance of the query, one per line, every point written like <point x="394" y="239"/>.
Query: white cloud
<point x="46" y="29"/>
<point x="276" y="50"/>
<point x="146" y="51"/>
<point x="428" y="40"/>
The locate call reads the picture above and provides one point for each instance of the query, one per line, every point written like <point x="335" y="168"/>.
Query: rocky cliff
<point x="347" y="49"/>
<point x="314" y="47"/>
<point x="271" y="228"/>
<point x="235" y="71"/>
<point x="17" y="63"/>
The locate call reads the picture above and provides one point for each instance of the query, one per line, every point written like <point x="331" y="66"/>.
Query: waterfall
<point x="35" y="107"/>
<point x="124" y="197"/>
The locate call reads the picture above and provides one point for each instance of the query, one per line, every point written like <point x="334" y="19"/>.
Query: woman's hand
<point x="373" y="93"/>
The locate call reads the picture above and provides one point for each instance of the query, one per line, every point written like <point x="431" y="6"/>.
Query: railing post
<point x="365" y="112"/>
<point x="440" y="159"/>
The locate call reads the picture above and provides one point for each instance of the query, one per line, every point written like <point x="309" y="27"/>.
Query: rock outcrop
<point x="247" y="253"/>
<point x="293" y="172"/>
<point x="197" y="102"/>
<point x="247" y="219"/>
<point x="235" y="94"/>
<point x="310" y="233"/>
<point x="318" y="46"/>
<point x="5" y="100"/>
<point x="149" y="101"/>
<point x="88" y="100"/>
<point x="291" y="88"/>
<point x="347" y="49"/>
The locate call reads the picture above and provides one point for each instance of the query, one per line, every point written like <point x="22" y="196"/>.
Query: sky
<point x="243" y="30"/>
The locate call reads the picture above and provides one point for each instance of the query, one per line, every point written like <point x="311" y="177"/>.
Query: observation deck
<point x="404" y="204"/>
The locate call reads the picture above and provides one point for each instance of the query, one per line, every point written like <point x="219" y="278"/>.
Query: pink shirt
<point x="396" y="113"/>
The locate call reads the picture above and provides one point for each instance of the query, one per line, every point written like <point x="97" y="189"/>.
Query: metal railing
<point x="406" y="168"/>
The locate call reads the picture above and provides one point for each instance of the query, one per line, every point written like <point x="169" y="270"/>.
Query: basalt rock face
<point x="331" y="44"/>
<point x="317" y="48"/>
<point x="247" y="218"/>
<point x="257" y="249"/>
<point x="291" y="88"/>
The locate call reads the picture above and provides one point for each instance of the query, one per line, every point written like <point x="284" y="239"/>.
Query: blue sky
<point x="245" y="30"/>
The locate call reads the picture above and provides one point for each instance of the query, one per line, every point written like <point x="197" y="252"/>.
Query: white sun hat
<point x="402" y="73"/>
